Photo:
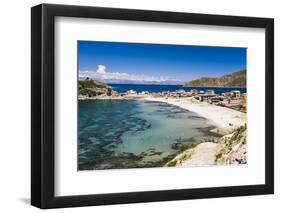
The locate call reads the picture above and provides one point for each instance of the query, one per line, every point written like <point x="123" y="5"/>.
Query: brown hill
<point x="236" y="79"/>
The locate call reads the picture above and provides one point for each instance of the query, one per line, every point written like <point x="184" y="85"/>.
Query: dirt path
<point x="204" y="154"/>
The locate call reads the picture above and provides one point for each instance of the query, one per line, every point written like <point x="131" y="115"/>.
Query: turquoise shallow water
<point x="115" y="134"/>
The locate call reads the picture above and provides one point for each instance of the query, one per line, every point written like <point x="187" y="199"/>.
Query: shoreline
<point x="224" y="150"/>
<point x="225" y="119"/>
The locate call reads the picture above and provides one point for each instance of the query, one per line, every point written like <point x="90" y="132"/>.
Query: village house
<point x="236" y="94"/>
<point x="205" y="96"/>
<point x="131" y="92"/>
<point x="194" y="91"/>
<point x="144" y="93"/>
<point x="210" y="92"/>
<point x="216" y="99"/>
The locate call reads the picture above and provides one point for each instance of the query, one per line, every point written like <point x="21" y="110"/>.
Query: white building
<point x="236" y="93"/>
<point x="131" y="92"/>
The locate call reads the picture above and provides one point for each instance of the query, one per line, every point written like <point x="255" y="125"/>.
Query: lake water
<point x="115" y="134"/>
<point x="122" y="88"/>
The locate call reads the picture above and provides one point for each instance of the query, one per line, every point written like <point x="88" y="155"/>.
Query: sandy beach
<point x="224" y="118"/>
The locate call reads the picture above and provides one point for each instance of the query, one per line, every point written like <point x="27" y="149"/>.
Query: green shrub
<point x="172" y="163"/>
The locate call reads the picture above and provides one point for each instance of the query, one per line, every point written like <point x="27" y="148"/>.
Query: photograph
<point x="160" y="105"/>
<point x="140" y="105"/>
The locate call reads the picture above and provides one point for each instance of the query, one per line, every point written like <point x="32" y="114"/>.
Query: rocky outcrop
<point x="232" y="148"/>
<point x="225" y="150"/>
<point x="91" y="88"/>
<point x="238" y="155"/>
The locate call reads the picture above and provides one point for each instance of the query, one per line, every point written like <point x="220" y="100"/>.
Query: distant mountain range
<point x="166" y="82"/>
<point x="101" y="74"/>
<point x="236" y="79"/>
<point x="121" y="81"/>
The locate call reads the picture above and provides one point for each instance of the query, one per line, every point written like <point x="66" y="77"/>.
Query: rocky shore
<point x="226" y="150"/>
<point x="91" y="89"/>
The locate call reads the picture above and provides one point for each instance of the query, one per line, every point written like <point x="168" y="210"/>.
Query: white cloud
<point x="102" y="74"/>
<point x="101" y="69"/>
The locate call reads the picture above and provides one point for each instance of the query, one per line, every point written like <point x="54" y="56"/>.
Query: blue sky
<point x="105" y="60"/>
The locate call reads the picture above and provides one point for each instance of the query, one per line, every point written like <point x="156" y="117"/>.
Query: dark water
<point x="121" y="88"/>
<point x="115" y="134"/>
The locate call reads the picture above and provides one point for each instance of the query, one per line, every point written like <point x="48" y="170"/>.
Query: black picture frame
<point x="43" y="110"/>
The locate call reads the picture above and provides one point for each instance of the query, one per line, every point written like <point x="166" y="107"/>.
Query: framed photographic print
<point x="140" y="106"/>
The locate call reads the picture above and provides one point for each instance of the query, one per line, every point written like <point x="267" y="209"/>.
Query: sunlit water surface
<point x="115" y="134"/>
